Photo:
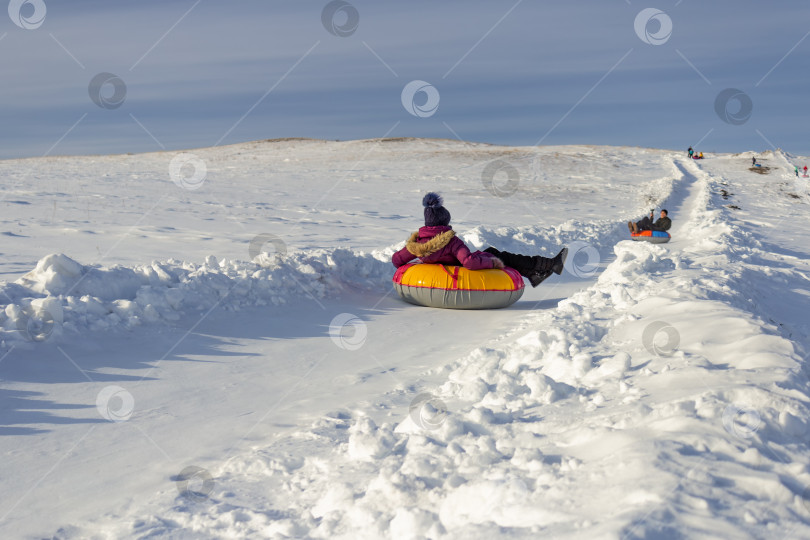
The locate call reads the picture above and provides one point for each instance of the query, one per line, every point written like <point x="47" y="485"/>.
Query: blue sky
<point x="506" y="72"/>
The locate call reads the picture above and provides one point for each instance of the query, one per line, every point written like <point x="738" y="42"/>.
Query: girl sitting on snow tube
<point x="436" y="242"/>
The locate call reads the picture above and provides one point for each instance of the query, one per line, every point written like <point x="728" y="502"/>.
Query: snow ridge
<point x="61" y="295"/>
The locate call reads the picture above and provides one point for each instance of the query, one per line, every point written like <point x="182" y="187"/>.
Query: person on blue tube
<point x="663" y="223"/>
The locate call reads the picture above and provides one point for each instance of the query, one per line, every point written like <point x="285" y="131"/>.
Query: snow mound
<point x="61" y="295"/>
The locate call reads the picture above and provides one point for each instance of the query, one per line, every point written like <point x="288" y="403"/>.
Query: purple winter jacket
<point x="439" y="245"/>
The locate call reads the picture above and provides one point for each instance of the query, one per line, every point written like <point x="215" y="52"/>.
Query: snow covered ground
<point x="207" y="345"/>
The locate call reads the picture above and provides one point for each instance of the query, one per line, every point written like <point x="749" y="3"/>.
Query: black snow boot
<point x="535" y="268"/>
<point x="544" y="264"/>
<point x="558" y="262"/>
<point x="544" y="267"/>
<point x="539" y="277"/>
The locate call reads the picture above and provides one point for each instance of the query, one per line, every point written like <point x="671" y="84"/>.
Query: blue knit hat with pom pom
<point x="435" y="213"/>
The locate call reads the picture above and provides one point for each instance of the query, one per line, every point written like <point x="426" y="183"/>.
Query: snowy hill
<point x="207" y="345"/>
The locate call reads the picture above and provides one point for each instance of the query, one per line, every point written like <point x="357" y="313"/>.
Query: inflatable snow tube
<point x="655" y="237"/>
<point x="455" y="287"/>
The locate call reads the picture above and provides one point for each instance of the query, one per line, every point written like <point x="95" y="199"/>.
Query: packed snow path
<point x="662" y="399"/>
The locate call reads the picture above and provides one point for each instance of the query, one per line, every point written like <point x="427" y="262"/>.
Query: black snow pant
<point x="646" y="224"/>
<point x="525" y="264"/>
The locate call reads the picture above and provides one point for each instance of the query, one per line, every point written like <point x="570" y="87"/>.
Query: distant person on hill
<point x="796" y="168"/>
<point x="663" y="223"/>
<point x="437" y="243"/>
<point x="691" y="151"/>
<point x="805" y="170"/>
<point x="753" y="162"/>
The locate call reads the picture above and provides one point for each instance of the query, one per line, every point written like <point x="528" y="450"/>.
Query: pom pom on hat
<point x="432" y="200"/>
<point x="436" y="215"/>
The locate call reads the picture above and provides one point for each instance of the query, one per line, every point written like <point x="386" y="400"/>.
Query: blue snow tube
<point x="654" y="237"/>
